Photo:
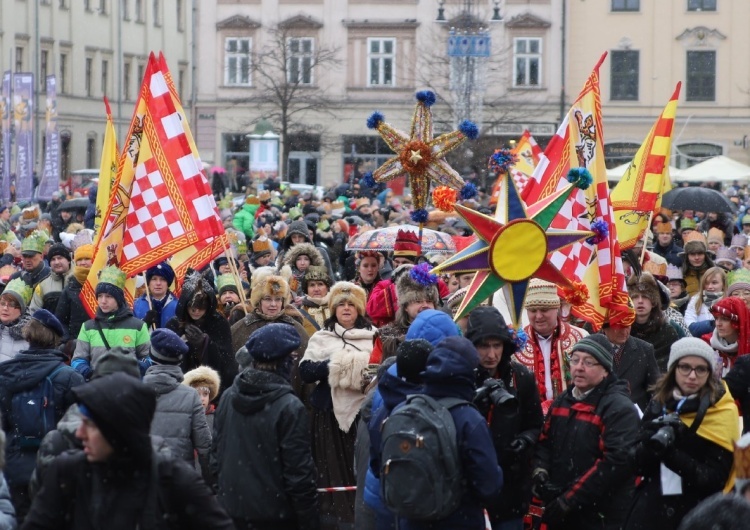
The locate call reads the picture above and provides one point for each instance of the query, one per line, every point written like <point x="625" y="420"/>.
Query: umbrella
<point x="697" y="198"/>
<point x="384" y="239"/>
<point x="75" y="204"/>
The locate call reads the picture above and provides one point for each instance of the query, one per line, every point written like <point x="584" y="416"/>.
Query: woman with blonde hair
<point x="698" y="315"/>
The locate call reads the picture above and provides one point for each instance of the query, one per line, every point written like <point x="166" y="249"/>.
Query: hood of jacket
<point x="450" y="370"/>
<point x="257" y="390"/>
<point x="28" y="369"/>
<point x="394" y="389"/>
<point x="433" y="326"/>
<point x="303" y="249"/>
<point x="191" y="286"/>
<point x="296" y="227"/>
<point x="163" y="378"/>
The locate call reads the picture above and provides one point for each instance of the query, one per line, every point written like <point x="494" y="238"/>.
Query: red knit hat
<point x="407" y="244"/>
<point x="735" y="310"/>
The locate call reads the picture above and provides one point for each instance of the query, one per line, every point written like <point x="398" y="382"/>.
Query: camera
<point x="665" y="436"/>
<point x="493" y="392"/>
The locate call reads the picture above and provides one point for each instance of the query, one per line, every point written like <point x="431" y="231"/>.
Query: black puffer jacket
<point x="70" y="311"/>
<point x="216" y="349"/>
<point x="738" y="381"/>
<point x="261" y="450"/>
<point x="584" y="447"/>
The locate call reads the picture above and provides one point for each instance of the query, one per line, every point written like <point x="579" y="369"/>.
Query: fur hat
<point x="204" y="376"/>
<point x="541" y="294"/>
<point x="316" y="273"/>
<point x="647" y="286"/>
<point x="407" y="245"/>
<point x="409" y="290"/>
<point x="167" y="347"/>
<point x="599" y="347"/>
<point x="347" y="291"/>
<point x="738" y="279"/>
<point x="272" y="341"/>
<point x="164" y="270"/>
<point x="271" y="285"/>
<point x="688" y="346"/>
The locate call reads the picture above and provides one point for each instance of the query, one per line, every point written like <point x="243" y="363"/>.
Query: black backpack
<point x="420" y="475"/>
<point x="33" y="412"/>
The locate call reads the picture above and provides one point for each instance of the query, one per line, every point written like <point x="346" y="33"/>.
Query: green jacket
<point x="124" y="333"/>
<point x="245" y="219"/>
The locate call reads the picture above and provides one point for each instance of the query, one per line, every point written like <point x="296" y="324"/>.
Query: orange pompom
<point x="577" y="295"/>
<point x="444" y="198"/>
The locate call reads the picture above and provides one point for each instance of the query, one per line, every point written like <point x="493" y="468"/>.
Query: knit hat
<point x="411" y="287"/>
<point x="316" y="274"/>
<point x="407" y="245"/>
<point x="487" y="322"/>
<point x="347" y="291"/>
<point x="411" y="358"/>
<point x="663" y="228"/>
<point x="164" y="270"/>
<point x="738" y="279"/>
<point x="122" y="408"/>
<point x="541" y="294"/>
<point x="645" y="285"/>
<point x="84" y="252"/>
<point x="688" y="346"/>
<point x="715" y="235"/>
<point x="270" y="285"/>
<point x="167" y="347"/>
<point x="433" y="326"/>
<point x="58" y="249"/>
<point x="114" y="361"/>
<point x="687" y="224"/>
<point x="453" y="302"/>
<point x="599" y="347"/>
<point x="226" y="282"/>
<point x="20" y="291"/>
<point x="204" y="376"/>
<point x="49" y="321"/>
<point x="272" y="341"/>
<point x="739" y="241"/>
<point x="725" y="255"/>
<point x="261" y="247"/>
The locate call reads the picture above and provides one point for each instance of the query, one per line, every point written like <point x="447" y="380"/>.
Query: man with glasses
<point x="581" y="470"/>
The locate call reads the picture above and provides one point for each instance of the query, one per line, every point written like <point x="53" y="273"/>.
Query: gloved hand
<point x="194" y="335"/>
<point x="519" y="445"/>
<point x="555" y="511"/>
<point x="150" y="317"/>
<point x="541" y="479"/>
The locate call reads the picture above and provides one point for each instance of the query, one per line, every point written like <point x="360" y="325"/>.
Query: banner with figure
<point x="50" y="181"/>
<point x="5" y="124"/>
<point x="23" y="116"/>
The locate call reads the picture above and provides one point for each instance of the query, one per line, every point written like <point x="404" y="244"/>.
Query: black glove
<point x="555" y="511"/>
<point x="519" y="445"/>
<point x="194" y="335"/>
<point x="539" y="488"/>
<point x="150" y="317"/>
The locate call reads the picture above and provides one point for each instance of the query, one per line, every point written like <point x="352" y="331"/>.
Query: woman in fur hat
<point x="297" y="260"/>
<point x="698" y="315"/>
<point x="335" y="359"/>
<point x="313" y="306"/>
<point x="205" y="380"/>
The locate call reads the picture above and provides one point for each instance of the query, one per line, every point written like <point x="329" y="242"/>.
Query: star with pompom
<point x="511" y="249"/>
<point x="418" y="154"/>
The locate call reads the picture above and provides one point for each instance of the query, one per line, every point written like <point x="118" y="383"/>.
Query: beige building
<point x="652" y="46"/>
<point x="95" y="48"/>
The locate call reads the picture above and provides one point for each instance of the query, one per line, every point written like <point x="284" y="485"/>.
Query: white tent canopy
<point x="616" y="173"/>
<point x="719" y="168"/>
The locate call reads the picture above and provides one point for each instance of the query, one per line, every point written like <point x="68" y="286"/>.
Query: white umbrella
<point x="719" y="168"/>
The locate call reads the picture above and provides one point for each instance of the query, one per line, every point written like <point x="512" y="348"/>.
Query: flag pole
<point x="645" y="237"/>
<point x="236" y="274"/>
<point x="148" y="299"/>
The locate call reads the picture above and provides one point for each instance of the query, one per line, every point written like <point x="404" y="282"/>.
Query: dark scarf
<point x="15" y="328"/>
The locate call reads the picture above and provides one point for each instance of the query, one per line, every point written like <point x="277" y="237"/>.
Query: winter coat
<point x="289" y="268"/>
<point x="704" y="465"/>
<point x="262" y="453"/>
<point x="692" y="316"/>
<point x="180" y="417"/>
<point x="26" y="371"/>
<point x="80" y="495"/>
<point x="450" y="373"/>
<point x="70" y="311"/>
<point x="7" y="511"/>
<point x="637" y="367"/>
<point x="216" y="350"/>
<point x="671" y="253"/>
<point x="315" y="312"/>
<point x="124" y="333"/>
<point x="253" y="321"/>
<point x="244" y="220"/>
<point x="584" y="448"/>
<point x="48" y="292"/>
<point x="34" y="277"/>
<point x="523" y="419"/>
<point x="738" y="382"/>
<point x="660" y="336"/>
<point x="11" y="338"/>
<point x="364" y="516"/>
<point x="140" y="308"/>
<point x="300" y="227"/>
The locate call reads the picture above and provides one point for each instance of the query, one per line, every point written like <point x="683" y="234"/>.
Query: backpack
<point x="33" y="412"/>
<point x="420" y="474"/>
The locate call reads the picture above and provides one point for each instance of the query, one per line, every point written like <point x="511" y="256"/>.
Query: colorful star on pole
<point x="512" y="249"/>
<point x="421" y="156"/>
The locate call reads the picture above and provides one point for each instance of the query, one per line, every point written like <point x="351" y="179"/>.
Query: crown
<point x="694" y="236"/>
<point x="225" y="280"/>
<point x="112" y="275"/>
<point x="21" y="288"/>
<point x="262" y="244"/>
<point x="35" y="241"/>
<point x="407" y="244"/>
<point x="657" y="269"/>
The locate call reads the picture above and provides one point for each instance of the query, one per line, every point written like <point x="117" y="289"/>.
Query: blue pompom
<point x="368" y="180"/>
<point x="422" y="276"/>
<point x="469" y="191"/>
<point x="601" y="231"/>
<point x="427" y="97"/>
<point x="470" y="130"/>
<point x="419" y="216"/>
<point x="375" y="119"/>
<point x="580" y="177"/>
<point x="502" y="160"/>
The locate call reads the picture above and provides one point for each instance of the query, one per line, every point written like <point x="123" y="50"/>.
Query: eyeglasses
<point x="10" y="305"/>
<point x="588" y="363"/>
<point x="685" y="369"/>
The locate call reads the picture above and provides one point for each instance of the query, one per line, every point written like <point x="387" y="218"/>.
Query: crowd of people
<point x="296" y="384"/>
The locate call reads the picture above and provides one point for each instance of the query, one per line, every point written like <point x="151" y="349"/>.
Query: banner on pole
<point x="50" y="181"/>
<point x="23" y="115"/>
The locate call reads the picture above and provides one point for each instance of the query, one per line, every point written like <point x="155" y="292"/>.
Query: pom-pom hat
<point x="163" y="270"/>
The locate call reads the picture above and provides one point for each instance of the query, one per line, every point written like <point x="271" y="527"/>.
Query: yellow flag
<point x="107" y="169"/>
<point x="639" y="192"/>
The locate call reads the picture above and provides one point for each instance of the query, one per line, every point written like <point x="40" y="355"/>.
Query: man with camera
<point x="508" y="398"/>
<point x="581" y="468"/>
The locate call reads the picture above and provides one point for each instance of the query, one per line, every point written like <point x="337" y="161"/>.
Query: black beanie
<point x="58" y="249"/>
<point x="411" y="359"/>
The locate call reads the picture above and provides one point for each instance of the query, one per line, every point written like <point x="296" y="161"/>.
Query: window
<point x="19" y="58"/>
<point x="181" y="83"/>
<point x="300" y="61"/>
<point x="89" y="74"/>
<point x="105" y="77"/>
<point x="624" y="75"/>
<point x="141" y="73"/>
<point x="688" y="155"/>
<point x="63" y="72"/>
<point x="87" y="5"/>
<point x="381" y="64"/>
<point x="626" y="5"/>
<point x="138" y="10"/>
<point x="43" y="65"/>
<point x="701" y="76"/>
<point x="527" y="64"/>
<point x="237" y="61"/>
<point x="63" y="4"/>
<point x="180" y="22"/>
<point x="125" y="7"/>
<point x="157" y="17"/>
<point x="102" y="7"/>
<point x="126" y="68"/>
<point x="701" y="5"/>
<point x="91" y="151"/>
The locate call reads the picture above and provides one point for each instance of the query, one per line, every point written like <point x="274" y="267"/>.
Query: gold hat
<point x="715" y="234"/>
<point x="21" y="291"/>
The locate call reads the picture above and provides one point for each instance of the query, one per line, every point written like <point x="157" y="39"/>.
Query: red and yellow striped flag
<point x="639" y="192"/>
